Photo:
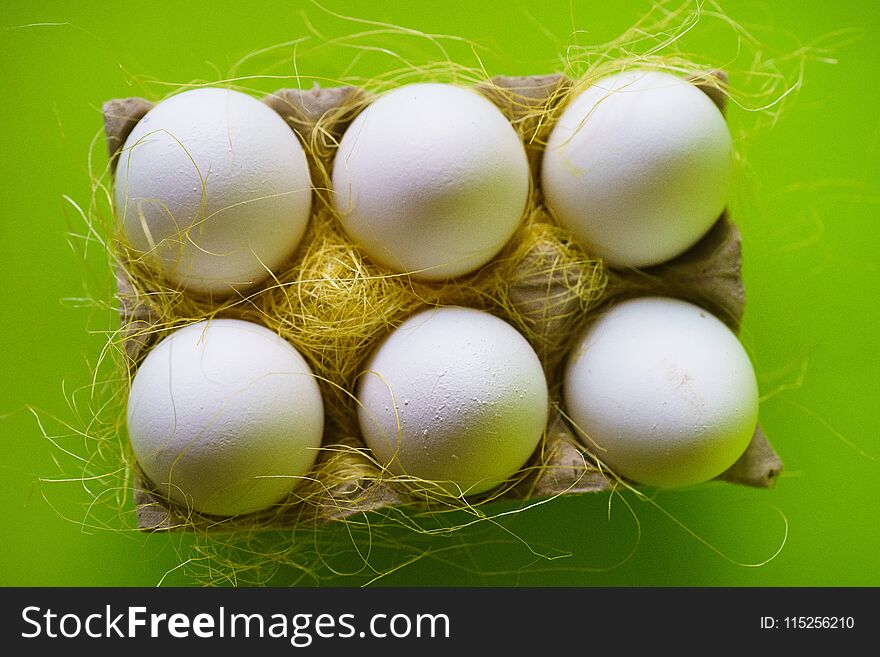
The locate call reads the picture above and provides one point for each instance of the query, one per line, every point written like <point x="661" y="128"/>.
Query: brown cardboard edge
<point x="567" y="469"/>
<point x="708" y="274"/>
<point x="758" y="467"/>
<point x="120" y="117"/>
<point x="155" y="513"/>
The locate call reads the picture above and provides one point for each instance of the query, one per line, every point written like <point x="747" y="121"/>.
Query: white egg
<point x="431" y="179"/>
<point x="225" y="417"/>
<point x="214" y="187"/>
<point x="662" y="392"/>
<point x="456" y="396"/>
<point x="638" y="167"/>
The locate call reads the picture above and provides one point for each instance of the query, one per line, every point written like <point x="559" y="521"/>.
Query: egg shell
<point x="638" y="167"/>
<point x="214" y="188"/>
<point x="662" y="392"/>
<point x="225" y="417"/>
<point x="431" y="179"/>
<point x="456" y="396"/>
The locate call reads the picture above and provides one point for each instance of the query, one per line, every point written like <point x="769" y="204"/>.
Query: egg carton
<point x="708" y="274"/>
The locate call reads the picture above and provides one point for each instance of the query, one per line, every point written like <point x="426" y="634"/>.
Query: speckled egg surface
<point x="454" y="395"/>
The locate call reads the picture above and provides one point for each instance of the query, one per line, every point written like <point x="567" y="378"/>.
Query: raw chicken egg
<point x="662" y="391"/>
<point x="431" y="179"/>
<point x="638" y="167"/>
<point x="225" y="417"/>
<point x="213" y="189"/>
<point x="455" y="396"/>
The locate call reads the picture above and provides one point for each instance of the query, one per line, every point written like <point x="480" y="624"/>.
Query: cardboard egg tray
<point x="709" y="274"/>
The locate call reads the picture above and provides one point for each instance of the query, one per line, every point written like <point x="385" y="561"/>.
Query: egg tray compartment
<point x="708" y="274"/>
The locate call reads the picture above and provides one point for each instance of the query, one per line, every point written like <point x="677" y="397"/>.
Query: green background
<point x="807" y="205"/>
